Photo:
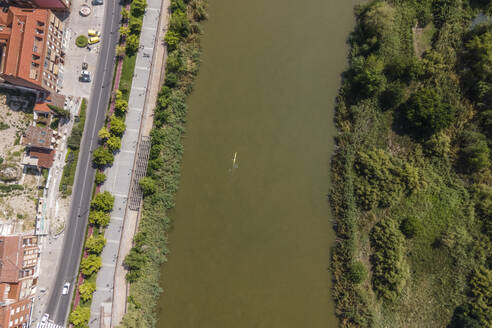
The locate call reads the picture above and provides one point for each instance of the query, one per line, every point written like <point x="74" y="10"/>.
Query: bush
<point x="475" y="153"/>
<point x="134" y="261"/>
<point x="368" y="77"/>
<point x="100" y="178"/>
<point x="179" y="23"/>
<point x="102" y="156"/>
<point x="103" y="201"/>
<point x="135" y="26"/>
<point x="410" y="227"/>
<point x="121" y="106"/>
<point x="132" y="44"/>
<point x="172" y="40"/>
<point x="387" y="260"/>
<point x="80" y="317"/>
<point x="99" y="218"/>
<point x="104" y="133"/>
<point x="86" y="290"/>
<point x="90" y="264"/>
<point x="114" y="143"/>
<point x="117" y="126"/>
<point x="148" y="186"/>
<point x="358" y="273"/>
<point x="138" y="7"/>
<point x="95" y="245"/>
<point x="428" y="113"/>
<point x="81" y="41"/>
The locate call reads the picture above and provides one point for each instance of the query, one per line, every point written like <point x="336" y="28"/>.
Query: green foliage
<point x="100" y="178"/>
<point x="148" y="186"/>
<point x="60" y="112"/>
<point x="99" y="218"/>
<point x="358" y="272"/>
<point x="117" y="125"/>
<point x="124" y="31"/>
<point x="410" y="227"/>
<point x="90" y="265"/>
<point x="86" y="290"/>
<point x="102" y="156"/>
<point x="81" y="41"/>
<point x="134" y="262"/>
<point x="104" y="133"/>
<point x="76" y="136"/>
<point x="475" y="153"/>
<point x="138" y="7"/>
<point x="172" y="40"/>
<point x="132" y="42"/>
<point x="428" y="112"/>
<point x="103" y="201"/>
<point x="125" y="14"/>
<point x="135" y="26"/>
<point x="95" y="245"/>
<point x="179" y="23"/>
<point x="6" y="188"/>
<point x="114" y="143"/>
<point x="387" y="260"/>
<point x="121" y="106"/>
<point x="368" y="77"/>
<point x="80" y="317"/>
<point x="383" y="179"/>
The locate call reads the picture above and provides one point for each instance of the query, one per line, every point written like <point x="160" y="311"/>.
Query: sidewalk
<point x="120" y="294"/>
<point x="119" y="175"/>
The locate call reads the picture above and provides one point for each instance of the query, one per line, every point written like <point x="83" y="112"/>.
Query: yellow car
<point x="93" y="33"/>
<point x="94" y="39"/>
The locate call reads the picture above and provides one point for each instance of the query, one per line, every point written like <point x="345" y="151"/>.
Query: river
<point x="250" y="242"/>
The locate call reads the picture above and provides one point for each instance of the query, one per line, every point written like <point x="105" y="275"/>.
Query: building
<point x="39" y="142"/>
<point x="18" y="279"/>
<point x="44" y="4"/>
<point x="31" y="48"/>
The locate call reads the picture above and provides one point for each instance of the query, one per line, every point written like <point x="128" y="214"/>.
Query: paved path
<point x="119" y="175"/>
<point x="59" y="305"/>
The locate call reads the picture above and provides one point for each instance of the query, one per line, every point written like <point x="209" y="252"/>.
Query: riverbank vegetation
<point x="412" y="178"/>
<point x="150" y="243"/>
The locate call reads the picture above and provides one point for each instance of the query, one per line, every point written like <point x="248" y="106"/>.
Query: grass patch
<point x="127" y="75"/>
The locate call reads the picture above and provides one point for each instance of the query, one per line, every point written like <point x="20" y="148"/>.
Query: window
<point x="21" y="318"/>
<point x="16" y="321"/>
<point x="17" y="310"/>
<point x="23" y="307"/>
<point x="12" y="312"/>
<point x="10" y="324"/>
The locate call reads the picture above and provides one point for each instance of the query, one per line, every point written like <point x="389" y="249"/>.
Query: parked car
<point x="97" y="2"/>
<point x="94" y="39"/>
<point x="66" y="288"/>
<point x="85" y="76"/>
<point x="45" y="317"/>
<point x="93" y="33"/>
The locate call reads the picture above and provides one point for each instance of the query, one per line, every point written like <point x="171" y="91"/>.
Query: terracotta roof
<point x="45" y="157"/>
<point x="57" y="100"/>
<point x="36" y="136"/>
<point x="11" y="257"/>
<point x="42" y="108"/>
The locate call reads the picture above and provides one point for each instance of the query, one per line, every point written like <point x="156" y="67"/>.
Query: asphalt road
<point x="58" y="304"/>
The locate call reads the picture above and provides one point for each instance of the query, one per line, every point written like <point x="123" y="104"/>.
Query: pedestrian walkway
<point x="119" y="175"/>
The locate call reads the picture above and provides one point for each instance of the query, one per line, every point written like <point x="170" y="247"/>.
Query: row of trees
<point x="130" y="30"/>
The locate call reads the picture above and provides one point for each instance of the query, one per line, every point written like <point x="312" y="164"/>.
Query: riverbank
<point x="150" y="243"/>
<point x="411" y="175"/>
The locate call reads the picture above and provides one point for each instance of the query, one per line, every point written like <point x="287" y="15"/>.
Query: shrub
<point x="100" y="178"/>
<point x="134" y="261"/>
<point x="90" y="264"/>
<point x="117" y="126"/>
<point x="135" y="26"/>
<point x="474" y="153"/>
<point x="125" y="15"/>
<point x="95" y="245"/>
<point x="368" y="77"/>
<point x="81" y="41"/>
<point x="410" y="227"/>
<point x="148" y="186"/>
<point x="138" y="7"/>
<point x="172" y="40"/>
<point x="114" y="143"/>
<point x="387" y="260"/>
<point x="179" y="23"/>
<point x="86" y="290"/>
<point x="80" y="317"/>
<point x="121" y="106"/>
<point x="428" y="113"/>
<point x="104" y="133"/>
<point x="132" y="44"/>
<point x="99" y="218"/>
<point x="102" y="156"/>
<point x="103" y="201"/>
<point x="358" y="272"/>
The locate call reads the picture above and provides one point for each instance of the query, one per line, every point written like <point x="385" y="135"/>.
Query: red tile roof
<point x="38" y="137"/>
<point x="42" y="108"/>
<point x="45" y="157"/>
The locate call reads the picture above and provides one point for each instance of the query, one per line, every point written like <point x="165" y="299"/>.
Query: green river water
<point x="250" y="244"/>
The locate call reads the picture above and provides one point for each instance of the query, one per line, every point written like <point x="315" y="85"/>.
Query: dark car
<point x="85" y="76"/>
<point x="97" y="2"/>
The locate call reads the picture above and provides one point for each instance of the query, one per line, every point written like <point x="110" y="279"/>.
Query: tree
<point x="474" y="153"/>
<point x="100" y="178"/>
<point x="135" y="26"/>
<point x="138" y="7"/>
<point x="95" y="245"/>
<point x="121" y="106"/>
<point x="102" y="156"/>
<point x="99" y="218"/>
<point x="132" y="44"/>
<point x="86" y="290"/>
<point x="90" y="265"/>
<point x="410" y="227"/>
<point x="368" y="77"/>
<point x="148" y="186"/>
<point x="179" y="23"/>
<point x="134" y="261"/>
<point x="103" y="133"/>
<point x="80" y="317"/>
<point x="125" y="15"/>
<point x="114" y="143"/>
<point x="117" y="125"/>
<point x="428" y="113"/>
<point x="358" y="272"/>
<point x="103" y="201"/>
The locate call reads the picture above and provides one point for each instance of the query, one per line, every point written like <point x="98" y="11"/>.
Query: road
<point x="58" y="304"/>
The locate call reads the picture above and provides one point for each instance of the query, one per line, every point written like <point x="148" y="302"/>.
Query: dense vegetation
<point x="73" y="145"/>
<point x="412" y="175"/>
<point x="161" y="183"/>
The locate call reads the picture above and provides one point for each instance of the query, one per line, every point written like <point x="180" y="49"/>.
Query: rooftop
<point x="38" y="137"/>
